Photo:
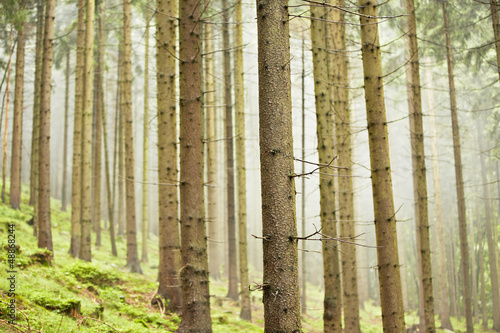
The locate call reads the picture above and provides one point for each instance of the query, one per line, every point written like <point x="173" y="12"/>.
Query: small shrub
<point x="87" y="272"/>
<point x="70" y="306"/>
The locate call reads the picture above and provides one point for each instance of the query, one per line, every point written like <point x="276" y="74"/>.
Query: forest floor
<point x="70" y="295"/>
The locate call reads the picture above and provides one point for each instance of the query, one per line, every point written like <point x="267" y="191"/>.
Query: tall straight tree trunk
<point x="131" y="228"/>
<point x="391" y="297"/>
<point x="5" y="133"/>
<point x="145" y="152"/>
<point x="211" y="116"/>
<point x="121" y="147"/>
<point x="99" y="108"/>
<point x="462" y="219"/>
<point x="167" y="154"/>
<point x="76" y="180"/>
<point x="492" y="244"/>
<point x="484" y="313"/>
<point x="45" y="232"/>
<point x="17" y="132"/>
<point x="303" y="286"/>
<point x="86" y="176"/>
<point x="332" y="315"/>
<point x="444" y="309"/>
<point x="232" y="268"/>
<point x="344" y="151"/>
<point x="419" y="170"/>
<point x="281" y="296"/>
<point x="35" y="133"/>
<point x="246" y="310"/>
<point x="64" y="190"/>
<point x="494" y="7"/>
<point x="475" y="300"/>
<point x="194" y="273"/>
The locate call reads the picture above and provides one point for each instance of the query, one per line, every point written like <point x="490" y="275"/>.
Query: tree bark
<point x="17" y="132"/>
<point x="496" y="29"/>
<point x="45" y="232"/>
<point x="86" y="175"/>
<point x="194" y="273"/>
<point x="391" y="297"/>
<point x="280" y="286"/>
<point x="444" y="309"/>
<point x="303" y="303"/>
<point x="462" y="219"/>
<point x="131" y="229"/>
<point x="121" y="153"/>
<point x="64" y="199"/>
<point x="167" y="155"/>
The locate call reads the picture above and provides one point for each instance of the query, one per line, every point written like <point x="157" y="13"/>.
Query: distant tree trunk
<point x="391" y="297"/>
<point x="170" y="262"/>
<point x="86" y="178"/>
<point x="211" y="110"/>
<point x="17" y="132"/>
<point x="281" y="296"/>
<point x="65" y="141"/>
<point x="194" y="273"/>
<point x="121" y="153"/>
<point x="332" y="316"/>
<point x="145" y="152"/>
<point x="344" y="148"/>
<point x="35" y="133"/>
<point x="99" y="109"/>
<point x="444" y="309"/>
<point x="231" y="218"/>
<point x="473" y="266"/>
<point x="7" y="90"/>
<point x="303" y="304"/>
<point x="76" y="180"/>
<point x="494" y="7"/>
<point x="131" y="228"/>
<point x="45" y="232"/>
<point x="484" y="313"/>
<point x="419" y="169"/>
<point x="464" y="247"/>
<point x="246" y="310"/>
<point x="492" y="244"/>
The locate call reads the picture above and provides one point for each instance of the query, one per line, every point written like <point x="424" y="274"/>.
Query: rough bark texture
<point x="211" y="109"/>
<point x="496" y="31"/>
<point x="383" y="203"/>
<point x="145" y="143"/>
<point x="303" y="282"/>
<point x="45" y="232"/>
<point x="332" y="315"/>
<point x="280" y="284"/>
<point x="462" y="219"/>
<point x="346" y="195"/>
<point x="131" y="227"/>
<point x="167" y="155"/>
<point x="35" y="136"/>
<point x="246" y="311"/>
<point x="86" y="175"/>
<point x="121" y="147"/>
<point x="17" y="131"/>
<point x="444" y="309"/>
<point x="232" y="268"/>
<point x="76" y="180"/>
<point x="6" y="128"/>
<point x="492" y="244"/>
<point x="419" y="170"/>
<point x="64" y="190"/>
<point x="484" y="313"/>
<point x="194" y="273"/>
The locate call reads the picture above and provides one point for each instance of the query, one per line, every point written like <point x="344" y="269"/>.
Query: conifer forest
<point x="275" y="166"/>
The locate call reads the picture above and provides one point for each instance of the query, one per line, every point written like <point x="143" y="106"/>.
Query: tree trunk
<point x="145" y="152"/>
<point x="64" y="200"/>
<point x="281" y="296"/>
<point x="496" y="30"/>
<point x="86" y="176"/>
<point x="121" y="153"/>
<point x="17" y="132"/>
<point x="344" y="148"/>
<point x="167" y="155"/>
<point x="303" y="287"/>
<point x="419" y="170"/>
<point x="231" y="218"/>
<point x="132" y="255"/>
<point x="246" y="310"/>
<point x="462" y="219"/>
<point x="391" y="297"/>
<point x="45" y="232"/>
<point x="76" y="180"/>
<point x="212" y="153"/>
<point x="492" y="244"/>
<point x="332" y="316"/>
<point x="35" y="133"/>
<point x="194" y="273"/>
<point x="6" y="129"/>
<point x="484" y="314"/>
<point x="473" y="267"/>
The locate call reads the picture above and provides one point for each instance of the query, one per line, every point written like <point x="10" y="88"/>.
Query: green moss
<point x="91" y="273"/>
